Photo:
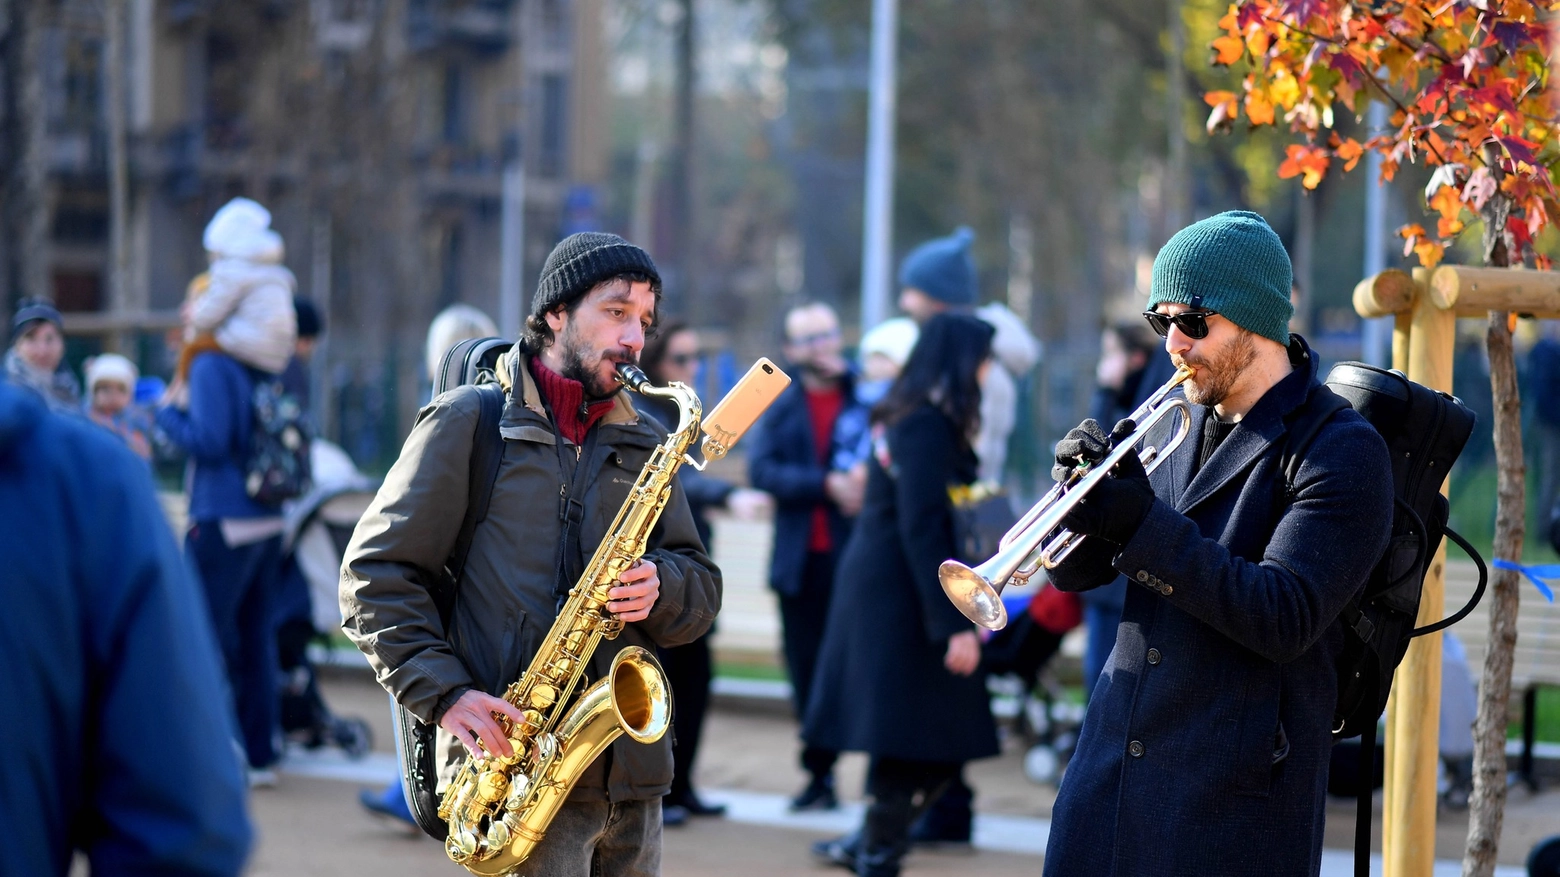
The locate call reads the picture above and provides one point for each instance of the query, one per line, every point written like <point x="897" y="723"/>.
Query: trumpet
<point x="1026" y="548"/>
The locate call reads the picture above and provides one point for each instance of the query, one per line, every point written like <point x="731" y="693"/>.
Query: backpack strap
<point x="1307" y="421"/>
<point x="487" y="452"/>
<point x="415" y="739"/>
<point x="1304" y="424"/>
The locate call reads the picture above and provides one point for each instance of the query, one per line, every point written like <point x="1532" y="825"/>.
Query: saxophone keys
<point x="544" y="695"/>
<point x="462" y="844"/>
<point x="492" y="786"/>
<point x="517" y="790"/>
<point x="498" y="835"/>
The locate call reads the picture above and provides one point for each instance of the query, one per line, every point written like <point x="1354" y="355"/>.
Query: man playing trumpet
<point x="1206" y="745"/>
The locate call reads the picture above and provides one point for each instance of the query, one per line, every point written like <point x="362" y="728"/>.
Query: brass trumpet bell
<point x="1030" y="546"/>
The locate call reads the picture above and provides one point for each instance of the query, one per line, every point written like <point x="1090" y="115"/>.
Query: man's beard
<point x="580" y="363"/>
<point x="1215" y="377"/>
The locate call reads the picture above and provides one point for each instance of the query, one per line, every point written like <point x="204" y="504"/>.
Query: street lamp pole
<point x="878" y="213"/>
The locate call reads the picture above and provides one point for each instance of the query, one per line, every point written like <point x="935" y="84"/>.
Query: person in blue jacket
<point x="236" y="542"/>
<point x="790" y="457"/>
<point x="112" y="725"/>
<point x="1205" y="747"/>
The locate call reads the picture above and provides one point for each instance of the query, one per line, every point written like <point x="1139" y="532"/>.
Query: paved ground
<point x="313" y="825"/>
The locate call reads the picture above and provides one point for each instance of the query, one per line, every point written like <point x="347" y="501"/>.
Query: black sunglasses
<point x="682" y="358"/>
<point x="1193" y="323"/>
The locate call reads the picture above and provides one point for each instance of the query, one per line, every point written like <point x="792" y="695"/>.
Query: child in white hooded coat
<point x="247" y="307"/>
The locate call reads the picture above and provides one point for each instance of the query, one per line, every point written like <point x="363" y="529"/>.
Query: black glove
<point x="1116" y="506"/>
<point x="1087" y="443"/>
<point x="1084" y="443"/>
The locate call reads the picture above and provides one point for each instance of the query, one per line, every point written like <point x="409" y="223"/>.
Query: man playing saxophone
<point x="573" y="446"/>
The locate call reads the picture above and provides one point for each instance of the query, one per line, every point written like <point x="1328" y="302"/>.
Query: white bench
<point x="1537" y="659"/>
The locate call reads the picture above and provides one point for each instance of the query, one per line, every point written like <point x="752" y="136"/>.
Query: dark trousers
<point x="802" y="617"/>
<point x="238" y="583"/>
<point x="688" y="669"/>
<point x="899" y="791"/>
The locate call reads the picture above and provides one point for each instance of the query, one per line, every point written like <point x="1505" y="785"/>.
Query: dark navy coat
<point x="114" y="725"/>
<point x="783" y="461"/>
<point x="1206" y="743"/>
<point x="881" y="686"/>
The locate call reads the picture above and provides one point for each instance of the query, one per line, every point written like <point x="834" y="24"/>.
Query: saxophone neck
<point x="689" y="409"/>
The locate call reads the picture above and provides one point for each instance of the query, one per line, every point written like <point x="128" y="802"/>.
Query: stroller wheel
<point x="353" y="736"/>
<point x="1042" y="765"/>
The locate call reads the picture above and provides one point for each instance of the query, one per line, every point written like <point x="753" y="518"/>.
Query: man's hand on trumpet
<point x="1116" y="506"/>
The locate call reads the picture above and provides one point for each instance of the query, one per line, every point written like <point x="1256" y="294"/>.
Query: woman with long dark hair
<point x="672" y="354"/>
<point x="897" y="674"/>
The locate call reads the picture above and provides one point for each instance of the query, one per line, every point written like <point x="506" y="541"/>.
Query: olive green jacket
<point x="506" y="601"/>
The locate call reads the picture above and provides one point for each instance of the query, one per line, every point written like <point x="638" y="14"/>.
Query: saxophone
<point x="498" y="808"/>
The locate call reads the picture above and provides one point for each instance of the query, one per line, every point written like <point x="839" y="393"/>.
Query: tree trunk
<point x="1486" y="807"/>
<point x="681" y="213"/>
<point x="26" y="206"/>
<point x="118" y="172"/>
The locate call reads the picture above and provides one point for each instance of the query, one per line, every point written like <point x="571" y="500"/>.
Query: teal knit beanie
<point x="942" y="268"/>
<point x="1232" y="263"/>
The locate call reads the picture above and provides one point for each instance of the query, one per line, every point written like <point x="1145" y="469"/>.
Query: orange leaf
<point x="1227" y="50"/>
<point x="1214" y="98"/>
<point x="1349" y="151"/>
<point x="1258" y="108"/>
<point x="1307" y="162"/>
<point x="1429" y="253"/>
<point x="1446" y="201"/>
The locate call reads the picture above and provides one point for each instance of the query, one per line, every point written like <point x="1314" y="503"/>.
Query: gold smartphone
<point x="757" y="390"/>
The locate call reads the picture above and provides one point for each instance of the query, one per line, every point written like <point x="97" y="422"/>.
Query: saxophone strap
<point x="573" y="484"/>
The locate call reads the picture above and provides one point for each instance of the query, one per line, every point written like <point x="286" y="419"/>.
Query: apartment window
<point x="453" y="125"/>
<point x="550" y="158"/>
<point x="81" y="98"/>
<point x="555" y="18"/>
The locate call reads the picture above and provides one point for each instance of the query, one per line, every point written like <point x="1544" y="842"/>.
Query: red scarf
<point x="573" y="415"/>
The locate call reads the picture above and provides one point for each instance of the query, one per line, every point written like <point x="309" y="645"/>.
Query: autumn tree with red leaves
<point x="1468" y="86"/>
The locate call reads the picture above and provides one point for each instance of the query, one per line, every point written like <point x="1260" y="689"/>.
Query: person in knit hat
<point x="36" y="356"/>
<point x="1206" y="743"/>
<point x="566" y="432"/>
<point x="939" y="277"/>
<point x="111" y="382"/>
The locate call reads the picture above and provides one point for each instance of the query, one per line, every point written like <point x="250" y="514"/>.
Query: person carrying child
<point x="241" y="331"/>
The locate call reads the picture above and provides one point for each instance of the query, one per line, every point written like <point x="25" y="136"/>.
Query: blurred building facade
<point x="378" y="133"/>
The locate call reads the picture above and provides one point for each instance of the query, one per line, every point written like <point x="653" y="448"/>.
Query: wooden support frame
<point x="1425" y="307"/>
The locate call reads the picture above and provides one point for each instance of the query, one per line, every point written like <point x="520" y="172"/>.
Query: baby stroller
<point x="318" y="527"/>
<point x="1016" y="658"/>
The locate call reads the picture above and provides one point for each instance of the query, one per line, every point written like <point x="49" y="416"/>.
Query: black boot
<point x="884" y="863"/>
<point x="949" y="818"/>
<point x="840" y="851"/>
<point x="885" y="837"/>
<point x="819" y="795"/>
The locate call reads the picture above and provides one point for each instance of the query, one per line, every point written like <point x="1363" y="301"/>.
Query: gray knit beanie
<point x="580" y="261"/>
<point x="1237" y="266"/>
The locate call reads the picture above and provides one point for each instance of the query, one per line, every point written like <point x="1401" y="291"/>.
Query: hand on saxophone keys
<point x="633" y="600"/>
<point x="472" y="720"/>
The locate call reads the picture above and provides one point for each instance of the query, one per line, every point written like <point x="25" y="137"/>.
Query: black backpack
<point x="1425" y="430"/>
<point x="470" y="362"/>
<point x="277" y="468"/>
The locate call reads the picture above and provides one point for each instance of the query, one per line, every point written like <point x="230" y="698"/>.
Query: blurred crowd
<point x="853" y="464"/>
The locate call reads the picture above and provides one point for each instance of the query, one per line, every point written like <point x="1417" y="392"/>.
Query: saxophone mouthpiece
<point x="631" y="376"/>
